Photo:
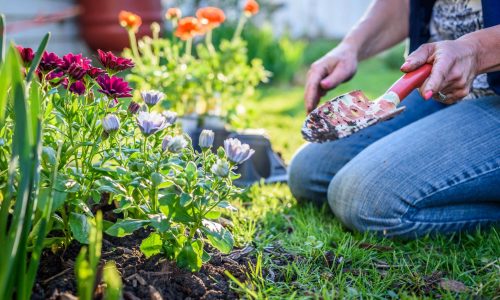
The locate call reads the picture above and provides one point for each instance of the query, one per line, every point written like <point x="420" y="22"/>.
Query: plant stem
<point x="133" y="46"/>
<point x="239" y="29"/>
<point x="189" y="46"/>
<point x="208" y="41"/>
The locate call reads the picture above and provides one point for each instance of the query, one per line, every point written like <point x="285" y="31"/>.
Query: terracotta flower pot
<point x="99" y="21"/>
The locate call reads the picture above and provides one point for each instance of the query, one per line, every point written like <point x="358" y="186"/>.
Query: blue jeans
<point x="432" y="169"/>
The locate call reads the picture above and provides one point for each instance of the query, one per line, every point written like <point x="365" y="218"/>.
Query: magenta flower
<point x="76" y="66"/>
<point x="55" y="77"/>
<point x="114" y="63"/>
<point x="94" y="72"/>
<point x="50" y="61"/>
<point x="77" y="87"/>
<point x="114" y="87"/>
<point x="27" y="55"/>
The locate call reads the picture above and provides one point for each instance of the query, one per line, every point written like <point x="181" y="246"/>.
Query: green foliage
<point x="21" y="231"/>
<point x="113" y="281"/>
<point x="88" y="259"/>
<point x="213" y="82"/>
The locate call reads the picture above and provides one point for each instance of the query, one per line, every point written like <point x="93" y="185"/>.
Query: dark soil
<point x="153" y="278"/>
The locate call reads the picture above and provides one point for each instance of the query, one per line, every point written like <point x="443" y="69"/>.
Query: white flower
<point x="151" y="98"/>
<point x="237" y="152"/>
<point x="150" y="123"/>
<point x="174" y="144"/>
<point x="220" y="168"/>
<point x="206" y="139"/>
<point x="110" y="123"/>
<point x="170" y="116"/>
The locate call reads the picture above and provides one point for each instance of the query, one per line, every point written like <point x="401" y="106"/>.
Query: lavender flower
<point x="133" y="107"/>
<point x="110" y="123"/>
<point x="220" y="168"/>
<point x="237" y="152"/>
<point x="151" y="98"/>
<point x="174" y="144"/>
<point x="206" y="139"/>
<point x="151" y="123"/>
<point x="170" y="116"/>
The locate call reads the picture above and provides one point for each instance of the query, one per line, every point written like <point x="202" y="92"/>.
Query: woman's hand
<point x="455" y="65"/>
<point x="338" y="66"/>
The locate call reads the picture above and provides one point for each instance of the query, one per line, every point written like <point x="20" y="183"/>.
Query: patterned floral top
<point x="450" y="20"/>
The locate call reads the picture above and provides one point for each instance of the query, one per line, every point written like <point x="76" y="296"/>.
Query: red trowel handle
<point x="410" y="81"/>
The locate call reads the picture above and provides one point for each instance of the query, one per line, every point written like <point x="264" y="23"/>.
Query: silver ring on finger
<point x="442" y="97"/>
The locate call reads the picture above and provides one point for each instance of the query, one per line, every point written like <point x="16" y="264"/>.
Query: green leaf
<point x="38" y="56"/>
<point x="80" y="227"/>
<point x="191" y="171"/>
<point x="213" y="214"/>
<point x="113" y="281"/>
<point x="126" y="227"/>
<point x="151" y="245"/>
<point x="190" y="257"/>
<point x="2" y="38"/>
<point x="218" y="236"/>
<point x="185" y="199"/>
<point x="159" y="222"/>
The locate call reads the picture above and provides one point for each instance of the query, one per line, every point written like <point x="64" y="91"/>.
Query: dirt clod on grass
<point x="154" y="278"/>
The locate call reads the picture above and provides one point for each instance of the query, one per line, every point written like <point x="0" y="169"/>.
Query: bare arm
<point x="384" y="24"/>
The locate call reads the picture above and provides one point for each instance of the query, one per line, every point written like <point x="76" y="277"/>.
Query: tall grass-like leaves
<point x="17" y="266"/>
<point x="87" y="261"/>
<point x="2" y="37"/>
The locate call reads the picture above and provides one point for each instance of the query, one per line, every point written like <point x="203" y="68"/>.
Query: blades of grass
<point x="28" y="277"/>
<point x="2" y="37"/>
<point x="38" y="57"/>
<point x="21" y="147"/>
<point x="5" y="84"/>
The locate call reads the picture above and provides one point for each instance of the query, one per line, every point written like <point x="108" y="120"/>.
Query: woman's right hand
<point x="338" y="66"/>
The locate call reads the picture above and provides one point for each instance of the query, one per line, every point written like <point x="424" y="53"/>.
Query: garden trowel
<point x="351" y="112"/>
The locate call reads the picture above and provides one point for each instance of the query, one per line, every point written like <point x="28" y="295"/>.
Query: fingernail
<point x="428" y="95"/>
<point x="405" y="65"/>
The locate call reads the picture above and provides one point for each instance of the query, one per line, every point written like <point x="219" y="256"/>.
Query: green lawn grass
<point x="303" y="251"/>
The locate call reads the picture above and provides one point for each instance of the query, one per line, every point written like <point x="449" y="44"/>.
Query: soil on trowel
<point x="153" y="278"/>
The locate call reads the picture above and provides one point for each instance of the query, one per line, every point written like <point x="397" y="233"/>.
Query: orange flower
<point x="251" y="7"/>
<point x="211" y="17"/>
<point x="187" y="28"/>
<point x="129" y="20"/>
<point x="173" y="13"/>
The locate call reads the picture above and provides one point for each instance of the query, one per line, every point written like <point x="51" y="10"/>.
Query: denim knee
<point x="363" y="199"/>
<point x="308" y="179"/>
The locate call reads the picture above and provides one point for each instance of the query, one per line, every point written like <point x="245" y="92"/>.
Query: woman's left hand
<point x="454" y="68"/>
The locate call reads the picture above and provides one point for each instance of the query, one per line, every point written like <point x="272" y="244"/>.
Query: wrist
<point x="476" y="51"/>
<point x="350" y="46"/>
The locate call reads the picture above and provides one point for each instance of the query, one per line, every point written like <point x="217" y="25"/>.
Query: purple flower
<point x="110" y="123"/>
<point x="27" y="55"/>
<point x="206" y="139"/>
<point x="77" y="87"/>
<point x="170" y="116"/>
<point x="55" y="77"/>
<point x="76" y="66"/>
<point x="151" y="98"/>
<point x="151" y="123"/>
<point x="220" y="168"/>
<point x="237" y="152"/>
<point x="114" y="87"/>
<point x="50" y="61"/>
<point x="174" y="144"/>
<point x="133" y="107"/>
<point x="95" y="72"/>
<point x="114" y="63"/>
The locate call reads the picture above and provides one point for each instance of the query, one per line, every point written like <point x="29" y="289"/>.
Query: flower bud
<point x="220" y="168"/>
<point x="133" y="107"/>
<point x="151" y="98"/>
<point x="110" y="123"/>
<point x="206" y="139"/>
<point x="174" y="144"/>
<point x="237" y="152"/>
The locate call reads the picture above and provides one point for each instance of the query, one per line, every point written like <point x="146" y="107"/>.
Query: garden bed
<point x="143" y="278"/>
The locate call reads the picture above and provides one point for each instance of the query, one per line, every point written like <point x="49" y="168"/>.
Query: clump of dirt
<point x="153" y="278"/>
